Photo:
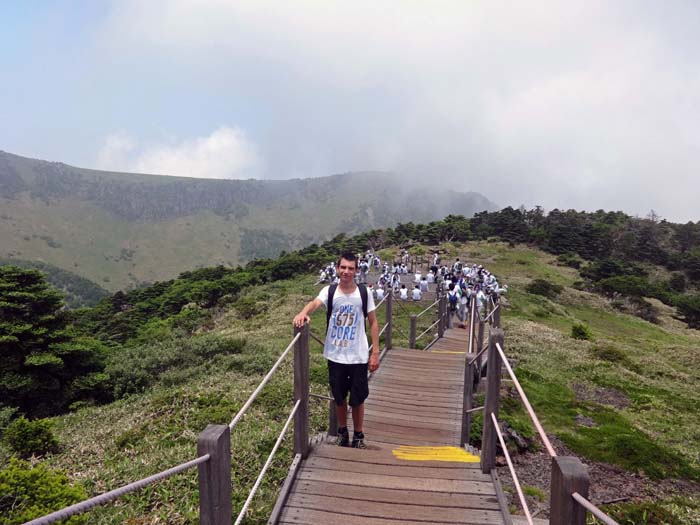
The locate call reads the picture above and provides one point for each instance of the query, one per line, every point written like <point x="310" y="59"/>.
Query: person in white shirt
<point x="417" y="276"/>
<point x="379" y="292"/>
<point x="423" y="284"/>
<point x="416" y="294"/>
<point x="431" y="277"/>
<point x="403" y="293"/>
<point x="346" y="349"/>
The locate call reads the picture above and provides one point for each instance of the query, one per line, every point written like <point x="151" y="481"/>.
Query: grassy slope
<point x="107" y="446"/>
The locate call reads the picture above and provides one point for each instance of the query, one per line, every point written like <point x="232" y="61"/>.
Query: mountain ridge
<point x="120" y="229"/>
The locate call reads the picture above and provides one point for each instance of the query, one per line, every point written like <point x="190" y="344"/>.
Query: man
<point x="416" y="294"/>
<point x="346" y="348"/>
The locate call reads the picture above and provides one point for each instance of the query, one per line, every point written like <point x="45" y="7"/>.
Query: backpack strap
<point x="363" y="295"/>
<point x="329" y="304"/>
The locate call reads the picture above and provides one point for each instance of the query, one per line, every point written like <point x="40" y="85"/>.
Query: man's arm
<point x="303" y="316"/>
<point x="374" y="334"/>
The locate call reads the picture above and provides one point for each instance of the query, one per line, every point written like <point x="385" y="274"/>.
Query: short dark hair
<point x="348" y="256"/>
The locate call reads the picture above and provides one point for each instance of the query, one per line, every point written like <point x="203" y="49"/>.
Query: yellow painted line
<point x="445" y="352"/>
<point x="434" y="454"/>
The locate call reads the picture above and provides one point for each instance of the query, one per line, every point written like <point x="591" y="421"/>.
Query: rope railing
<point x="428" y="308"/>
<point x="526" y="402"/>
<point x="255" y="393"/>
<point x="593" y="509"/>
<point x="427" y="330"/>
<point x="83" y="506"/>
<point x="267" y="463"/>
<point x="493" y="311"/>
<point x="521" y="496"/>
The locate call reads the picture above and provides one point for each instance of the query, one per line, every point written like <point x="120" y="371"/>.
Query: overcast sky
<point x="567" y="104"/>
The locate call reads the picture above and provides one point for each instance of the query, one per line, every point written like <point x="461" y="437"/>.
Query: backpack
<point x="453" y="297"/>
<point x="329" y="306"/>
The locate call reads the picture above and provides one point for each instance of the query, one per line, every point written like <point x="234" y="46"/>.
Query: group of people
<point x="348" y="302"/>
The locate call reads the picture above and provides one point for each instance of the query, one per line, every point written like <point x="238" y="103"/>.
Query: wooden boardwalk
<point x="413" y="471"/>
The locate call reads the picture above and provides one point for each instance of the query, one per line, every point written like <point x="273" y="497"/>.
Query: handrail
<point x="497" y="306"/>
<point x="428" y="308"/>
<point x="528" y="407"/>
<point x="255" y="393"/>
<point x="267" y="463"/>
<point x="472" y="310"/>
<point x="316" y="338"/>
<point x="523" y="502"/>
<point x="82" y="506"/>
<point x="470" y="363"/>
<point x="593" y="509"/>
<point x="427" y="330"/>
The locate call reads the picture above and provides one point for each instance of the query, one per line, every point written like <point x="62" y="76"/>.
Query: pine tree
<point x="43" y="367"/>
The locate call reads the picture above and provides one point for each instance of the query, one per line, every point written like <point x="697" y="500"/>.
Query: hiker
<point x="403" y="293"/>
<point x="416" y="294"/>
<point x="423" y="284"/>
<point x="346" y="349"/>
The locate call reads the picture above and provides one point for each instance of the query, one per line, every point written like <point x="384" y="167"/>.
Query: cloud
<point x="225" y="154"/>
<point x="581" y="104"/>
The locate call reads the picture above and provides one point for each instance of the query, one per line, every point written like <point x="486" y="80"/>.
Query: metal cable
<point x="316" y="338"/>
<point x="486" y="347"/>
<point x="593" y="509"/>
<point x="523" y="502"/>
<point x="114" y="494"/>
<point x="267" y="464"/>
<point x="428" y="308"/>
<point x="492" y="312"/>
<point x="427" y="329"/>
<point x="528" y="407"/>
<point x="252" y="397"/>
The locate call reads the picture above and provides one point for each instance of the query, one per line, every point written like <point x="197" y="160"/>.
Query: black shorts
<point x="348" y="378"/>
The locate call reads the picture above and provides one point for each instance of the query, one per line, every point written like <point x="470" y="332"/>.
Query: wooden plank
<point x="434" y="433"/>
<point x="354" y="479"/>
<point x="404" y="407"/>
<point x="389" y="511"/>
<point x="412" y="469"/>
<point x="298" y="516"/>
<point x="416" y="497"/>
<point x="416" y="416"/>
<point x="382" y="457"/>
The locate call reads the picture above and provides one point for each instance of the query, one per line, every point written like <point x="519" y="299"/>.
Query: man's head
<point x="347" y="267"/>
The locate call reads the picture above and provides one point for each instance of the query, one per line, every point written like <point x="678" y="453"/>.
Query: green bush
<point x="570" y="259"/>
<point x="629" y="285"/>
<point x="543" y="287"/>
<point x="30" y="437"/>
<point x="28" y="492"/>
<point x="581" y="331"/>
<point x="689" y="307"/>
<point x="132" y="370"/>
<point x="248" y="307"/>
<point x="608" y="352"/>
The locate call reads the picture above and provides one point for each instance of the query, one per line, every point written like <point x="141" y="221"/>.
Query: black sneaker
<point x="343" y="439"/>
<point x="358" y="440"/>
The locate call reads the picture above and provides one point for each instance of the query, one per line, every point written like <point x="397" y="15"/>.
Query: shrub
<point x="30" y="437"/>
<point x="545" y="288"/>
<point x="629" y="285"/>
<point x="248" y="307"/>
<point x="677" y="282"/>
<point x="581" y="331"/>
<point x="28" y="492"/>
<point x="608" y="352"/>
<point x="689" y="308"/>
<point x="570" y="259"/>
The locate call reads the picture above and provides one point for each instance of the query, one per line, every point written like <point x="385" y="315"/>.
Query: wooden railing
<point x="569" y="481"/>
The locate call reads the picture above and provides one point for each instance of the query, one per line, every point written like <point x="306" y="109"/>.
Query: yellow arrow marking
<point x="434" y="454"/>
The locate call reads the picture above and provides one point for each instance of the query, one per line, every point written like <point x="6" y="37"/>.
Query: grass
<point x="653" y="367"/>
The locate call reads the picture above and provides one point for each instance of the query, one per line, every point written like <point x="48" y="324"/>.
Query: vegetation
<point x="45" y="366"/>
<point x="180" y="354"/>
<point x="28" y="492"/>
<point x="28" y="438"/>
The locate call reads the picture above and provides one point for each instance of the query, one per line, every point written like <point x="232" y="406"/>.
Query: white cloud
<point x="225" y="154"/>
<point x="583" y="104"/>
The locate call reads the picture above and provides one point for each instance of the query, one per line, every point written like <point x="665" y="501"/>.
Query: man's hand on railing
<point x="300" y="319"/>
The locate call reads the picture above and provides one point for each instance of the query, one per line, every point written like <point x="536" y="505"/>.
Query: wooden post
<point x="496" y="314"/>
<point x="441" y="314"/>
<point x="412" y="332"/>
<point x="387" y="334"/>
<point x="493" y="388"/>
<point x="332" y="418"/>
<point x="467" y="399"/>
<point x="215" y="476"/>
<point x="301" y="391"/>
<point x="479" y="346"/>
<point x="568" y="476"/>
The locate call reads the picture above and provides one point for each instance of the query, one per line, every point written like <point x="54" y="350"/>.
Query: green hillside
<point x="626" y="400"/>
<point x="120" y="230"/>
